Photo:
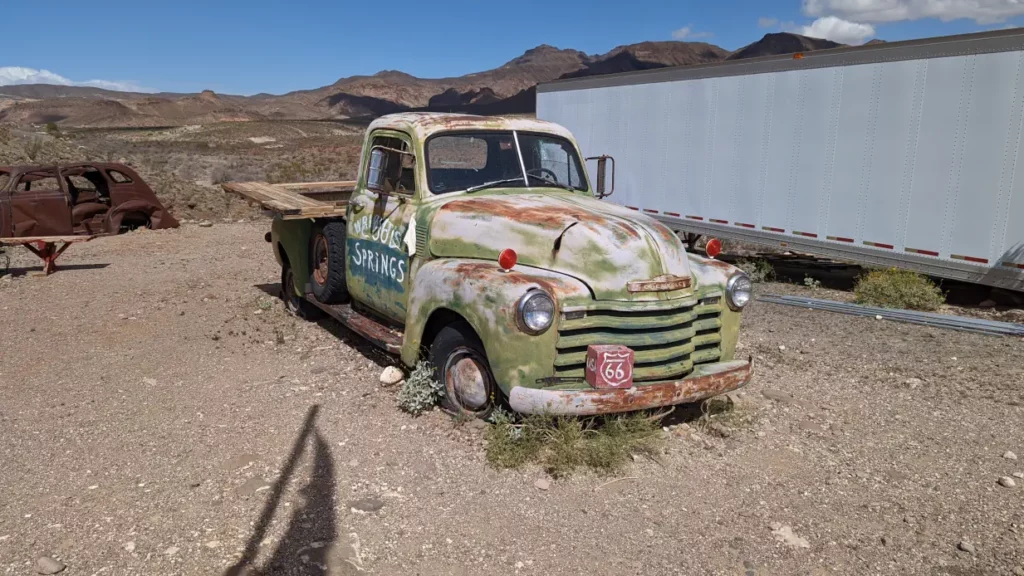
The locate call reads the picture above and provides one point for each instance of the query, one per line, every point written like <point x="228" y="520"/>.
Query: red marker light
<point x="713" y="247"/>
<point x="507" y="259"/>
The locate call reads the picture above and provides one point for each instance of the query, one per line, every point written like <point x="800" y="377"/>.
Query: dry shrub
<point x="895" y="288"/>
<point x="562" y="445"/>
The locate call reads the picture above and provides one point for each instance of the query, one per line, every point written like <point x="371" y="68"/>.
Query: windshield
<point x="477" y="160"/>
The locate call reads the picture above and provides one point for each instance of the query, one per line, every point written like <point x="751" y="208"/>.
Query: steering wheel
<point x="553" y="178"/>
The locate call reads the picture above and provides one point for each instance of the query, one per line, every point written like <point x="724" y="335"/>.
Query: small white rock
<point x="47" y="565"/>
<point x="785" y="535"/>
<point x="1018" y="475"/>
<point x="1009" y="455"/>
<point x="782" y="347"/>
<point x="1006" y="482"/>
<point x="542" y="483"/>
<point x="391" y="376"/>
<point x="878" y="316"/>
<point x="129" y="547"/>
<point x="213" y="544"/>
<point x="172" y="551"/>
<point x="966" y="547"/>
<point x="520" y="565"/>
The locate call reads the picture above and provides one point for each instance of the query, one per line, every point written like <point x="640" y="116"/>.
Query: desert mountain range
<point x="510" y="88"/>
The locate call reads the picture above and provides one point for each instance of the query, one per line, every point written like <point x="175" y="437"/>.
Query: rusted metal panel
<point x="702" y="383"/>
<point x="380" y="335"/>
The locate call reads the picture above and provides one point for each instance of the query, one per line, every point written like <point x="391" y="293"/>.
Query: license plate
<point x="609" y="366"/>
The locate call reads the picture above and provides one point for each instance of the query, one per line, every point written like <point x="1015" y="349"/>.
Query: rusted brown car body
<point x="77" y="199"/>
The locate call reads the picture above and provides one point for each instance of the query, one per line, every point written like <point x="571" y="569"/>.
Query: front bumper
<point x="704" y="382"/>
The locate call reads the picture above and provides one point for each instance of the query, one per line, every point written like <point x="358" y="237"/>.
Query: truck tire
<point x="460" y="365"/>
<point x="327" y="260"/>
<point x="295" y="303"/>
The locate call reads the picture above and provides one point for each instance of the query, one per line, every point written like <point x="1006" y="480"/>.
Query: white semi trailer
<point x="904" y="154"/>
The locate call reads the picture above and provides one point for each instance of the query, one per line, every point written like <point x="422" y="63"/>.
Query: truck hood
<point x="602" y="244"/>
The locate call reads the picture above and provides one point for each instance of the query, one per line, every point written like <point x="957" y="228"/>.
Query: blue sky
<point x="250" y="46"/>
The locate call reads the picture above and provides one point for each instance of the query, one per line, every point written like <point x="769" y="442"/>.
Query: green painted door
<point x="377" y="263"/>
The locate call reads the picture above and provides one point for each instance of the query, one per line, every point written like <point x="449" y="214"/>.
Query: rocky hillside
<point x="510" y="88"/>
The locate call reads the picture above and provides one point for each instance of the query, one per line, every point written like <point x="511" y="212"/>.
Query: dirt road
<point x="161" y="414"/>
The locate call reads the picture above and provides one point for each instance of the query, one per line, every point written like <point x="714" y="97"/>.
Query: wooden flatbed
<point x="298" y="200"/>
<point x="45" y="247"/>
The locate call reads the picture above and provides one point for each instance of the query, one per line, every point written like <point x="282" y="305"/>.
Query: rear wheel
<point x="327" y="259"/>
<point x="294" y="302"/>
<point x="461" y="366"/>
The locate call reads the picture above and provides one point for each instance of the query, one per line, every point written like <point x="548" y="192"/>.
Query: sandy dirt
<point x="160" y="413"/>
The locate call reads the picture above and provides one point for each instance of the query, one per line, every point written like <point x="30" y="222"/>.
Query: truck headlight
<point x="738" y="290"/>
<point x="535" y="312"/>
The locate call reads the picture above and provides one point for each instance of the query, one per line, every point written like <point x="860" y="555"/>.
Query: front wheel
<point x="294" y="302"/>
<point x="461" y="366"/>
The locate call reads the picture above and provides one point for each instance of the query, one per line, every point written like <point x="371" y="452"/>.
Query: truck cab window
<point x="460" y="161"/>
<point x="396" y="163"/>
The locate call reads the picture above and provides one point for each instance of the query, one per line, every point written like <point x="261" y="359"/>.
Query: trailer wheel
<point x="327" y="259"/>
<point x="294" y="302"/>
<point x="461" y="366"/>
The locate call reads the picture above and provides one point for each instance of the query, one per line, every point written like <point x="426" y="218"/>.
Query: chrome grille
<point x="668" y="338"/>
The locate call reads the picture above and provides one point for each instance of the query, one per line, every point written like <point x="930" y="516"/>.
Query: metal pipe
<point x="947" y="321"/>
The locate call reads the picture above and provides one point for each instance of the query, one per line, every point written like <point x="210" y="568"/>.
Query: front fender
<point x="486" y="297"/>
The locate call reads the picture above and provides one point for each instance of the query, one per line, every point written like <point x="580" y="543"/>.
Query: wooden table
<point x="45" y="247"/>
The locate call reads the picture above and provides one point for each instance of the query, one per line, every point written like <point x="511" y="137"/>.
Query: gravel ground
<point x="161" y="414"/>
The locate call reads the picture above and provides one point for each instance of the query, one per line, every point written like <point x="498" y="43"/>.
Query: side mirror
<point x="377" y="169"/>
<point x="602" y="178"/>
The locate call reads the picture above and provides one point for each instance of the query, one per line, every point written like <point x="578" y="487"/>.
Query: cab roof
<point x="422" y="125"/>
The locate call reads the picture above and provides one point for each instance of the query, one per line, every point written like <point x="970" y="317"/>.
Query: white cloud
<point x="11" y="75"/>
<point x="765" y="22"/>
<point x="981" y="11"/>
<point x="837" y="30"/>
<point x="687" y="33"/>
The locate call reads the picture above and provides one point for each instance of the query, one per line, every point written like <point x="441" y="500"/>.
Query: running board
<point x="388" y="339"/>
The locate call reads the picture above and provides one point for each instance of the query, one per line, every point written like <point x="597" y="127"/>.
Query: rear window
<point x="119" y="177"/>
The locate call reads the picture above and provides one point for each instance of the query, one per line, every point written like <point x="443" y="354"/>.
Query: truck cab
<point x="479" y="245"/>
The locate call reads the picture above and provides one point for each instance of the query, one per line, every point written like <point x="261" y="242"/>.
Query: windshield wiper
<point x="553" y="183"/>
<point x="494" y="183"/>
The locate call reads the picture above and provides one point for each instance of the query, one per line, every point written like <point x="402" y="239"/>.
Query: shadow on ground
<point x="309" y="544"/>
<point x="60" y="268"/>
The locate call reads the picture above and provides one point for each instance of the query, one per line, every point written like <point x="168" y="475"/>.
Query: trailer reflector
<point x="1013" y="265"/>
<point x="694" y="217"/>
<point x="840" y="238"/>
<point x="770" y="229"/>
<point x="744" y="225"/>
<point x="633" y="208"/>
<point x="919" y="251"/>
<point x="808" y="234"/>
<point x="649" y="211"/>
<point x="878" y="245"/>
<point x="969" y="258"/>
<point x="717" y="221"/>
<point x="676" y="214"/>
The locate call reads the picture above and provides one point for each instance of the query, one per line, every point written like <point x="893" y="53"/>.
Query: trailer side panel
<point x="911" y="157"/>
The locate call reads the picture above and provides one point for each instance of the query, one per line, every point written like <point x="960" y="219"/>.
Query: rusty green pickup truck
<point x="479" y="244"/>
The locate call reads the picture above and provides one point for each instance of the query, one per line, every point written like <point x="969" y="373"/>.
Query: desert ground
<point x="162" y="414"/>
